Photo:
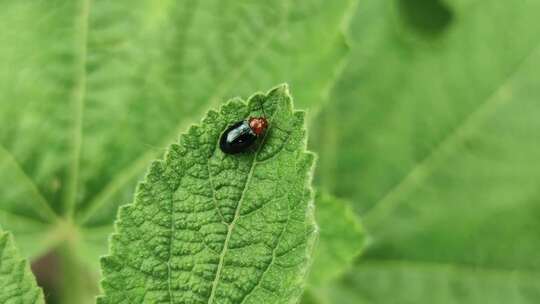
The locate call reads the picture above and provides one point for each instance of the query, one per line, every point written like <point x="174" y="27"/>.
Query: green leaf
<point x="432" y="136"/>
<point x="17" y="284"/>
<point x="341" y="239"/>
<point x="207" y="227"/>
<point x="92" y="91"/>
<point x="410" y="282"/>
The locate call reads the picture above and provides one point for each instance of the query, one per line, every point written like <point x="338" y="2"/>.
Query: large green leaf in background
<point x="438" y="145"/>
<point x="91" y="91"/>
<point x="208" y="227"/>
<point x="17" y="283"/>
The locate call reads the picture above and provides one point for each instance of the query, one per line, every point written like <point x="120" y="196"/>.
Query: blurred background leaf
<point x="92" y="91"/>
<point x="433" y="134"/>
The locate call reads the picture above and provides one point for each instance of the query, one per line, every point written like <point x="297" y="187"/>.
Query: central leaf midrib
<point x="230" y="227"/>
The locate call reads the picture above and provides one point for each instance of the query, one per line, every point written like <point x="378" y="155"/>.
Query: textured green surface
<point x="17" y="284"/>
<point x="434" y="138"/>
<point x="207" y="227"/>
<point x="92" y="91"/>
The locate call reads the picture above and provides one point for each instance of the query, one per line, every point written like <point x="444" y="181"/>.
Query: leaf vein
<point x="44" y="204"/>
<point x="446" y="147"/>
<point x="236" y="217"/>
<point x="79" y="95"/>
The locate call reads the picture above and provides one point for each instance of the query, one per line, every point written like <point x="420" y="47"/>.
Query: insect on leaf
<point x="207" y="227"/>
<point x="89" y="89"/>
<point x="17" y="284"/>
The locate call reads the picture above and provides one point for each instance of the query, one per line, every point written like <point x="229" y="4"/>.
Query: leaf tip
<point x="281" y="89"/>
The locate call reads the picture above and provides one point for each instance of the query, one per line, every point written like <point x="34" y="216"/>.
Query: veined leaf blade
<point x="207" y="227"/>
<point x="17" y="283"/>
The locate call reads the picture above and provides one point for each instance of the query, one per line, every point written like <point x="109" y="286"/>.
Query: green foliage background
<point x="424" y="114"/>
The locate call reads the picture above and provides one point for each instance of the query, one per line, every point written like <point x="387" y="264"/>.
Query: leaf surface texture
<point x="17" y="283"/>
<point x="207" y="227"/>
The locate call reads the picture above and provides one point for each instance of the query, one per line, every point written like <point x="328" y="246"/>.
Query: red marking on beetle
<point x="258" y="125"/>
